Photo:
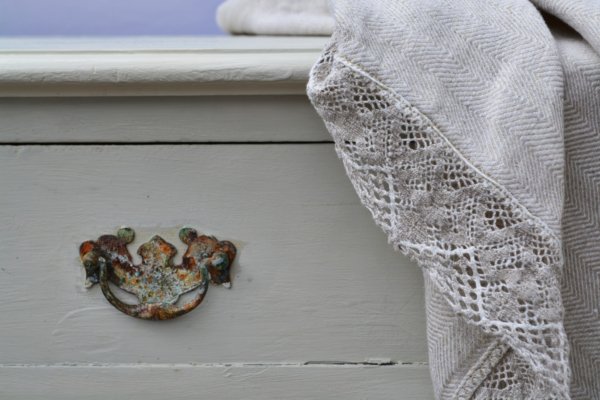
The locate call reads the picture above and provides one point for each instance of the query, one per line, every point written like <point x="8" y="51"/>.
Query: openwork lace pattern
<point x="497" y="265"/>
<point x="511" y="378"/>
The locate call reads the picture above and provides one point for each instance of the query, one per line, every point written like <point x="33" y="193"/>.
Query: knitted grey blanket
<point x="471" y="131"/>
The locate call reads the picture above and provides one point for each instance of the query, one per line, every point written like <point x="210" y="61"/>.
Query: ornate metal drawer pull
<point x="156" y="282"/>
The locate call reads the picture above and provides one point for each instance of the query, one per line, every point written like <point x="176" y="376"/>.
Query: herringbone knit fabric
<point x="471" y="131"/>
<point x="581" y="219"/>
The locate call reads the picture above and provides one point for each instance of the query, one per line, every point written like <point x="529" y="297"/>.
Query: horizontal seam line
<point x="165" y="143"/>
<point x="129" y="52"/>
<point x="308" y="364"/>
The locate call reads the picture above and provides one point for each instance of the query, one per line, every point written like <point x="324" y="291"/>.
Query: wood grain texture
<point x="160" y="119"/>
<point x="315" y="279"/>
<point x="207" y="382"/>
<point x="230" y="65"/>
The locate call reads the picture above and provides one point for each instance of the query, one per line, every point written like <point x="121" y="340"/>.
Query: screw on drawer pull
<point x="156" y="282"/>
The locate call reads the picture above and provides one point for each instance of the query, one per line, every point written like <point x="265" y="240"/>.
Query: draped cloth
<point x="471" y="131"/>
<point x="275" y="17"/>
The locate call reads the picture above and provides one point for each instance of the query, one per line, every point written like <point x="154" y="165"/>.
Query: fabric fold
<point x="495" y="263"/>
<point x="449" y="119"/>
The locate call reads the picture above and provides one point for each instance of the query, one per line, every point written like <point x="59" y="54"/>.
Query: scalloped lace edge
<point x="496" y="263"/>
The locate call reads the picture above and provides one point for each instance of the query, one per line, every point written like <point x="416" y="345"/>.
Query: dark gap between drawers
<point x="161" y="143"/>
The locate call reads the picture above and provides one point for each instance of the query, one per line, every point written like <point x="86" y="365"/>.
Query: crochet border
<point x="440" y="277"/>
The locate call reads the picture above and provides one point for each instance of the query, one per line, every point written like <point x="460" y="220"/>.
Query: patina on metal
<point x="157" y="282"/>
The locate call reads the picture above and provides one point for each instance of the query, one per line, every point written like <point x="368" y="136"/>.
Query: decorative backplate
<point x="157" y="282"/>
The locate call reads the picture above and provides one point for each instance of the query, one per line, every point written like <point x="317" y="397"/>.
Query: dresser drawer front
<point x="225" y="382"/>
<point x="198" y="119"/>
<point x="315" y="280"/>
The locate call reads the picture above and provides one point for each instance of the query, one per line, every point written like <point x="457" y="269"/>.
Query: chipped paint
<point x="156" y="281"/>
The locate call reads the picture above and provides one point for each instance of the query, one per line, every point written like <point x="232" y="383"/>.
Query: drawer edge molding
<point x="224" y="66"/>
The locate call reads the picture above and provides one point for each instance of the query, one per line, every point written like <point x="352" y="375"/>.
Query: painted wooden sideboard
<point x="217" y="134"/>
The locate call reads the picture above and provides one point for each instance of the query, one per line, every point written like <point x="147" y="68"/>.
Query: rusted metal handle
<point x="156" y="282"/>
<point x="154" y="311"/>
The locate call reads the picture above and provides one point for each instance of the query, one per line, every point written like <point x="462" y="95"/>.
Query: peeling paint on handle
<point x="156" y="281"/>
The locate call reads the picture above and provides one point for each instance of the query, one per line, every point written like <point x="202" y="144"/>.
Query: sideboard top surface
<point x="156" y="66"/>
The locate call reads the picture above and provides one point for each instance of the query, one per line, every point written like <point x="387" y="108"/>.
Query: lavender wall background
<point x="108" y="17"/>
